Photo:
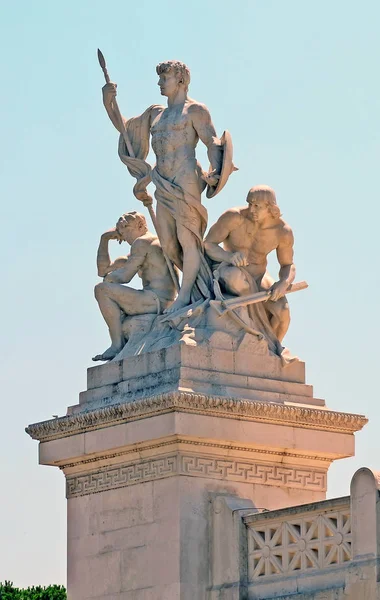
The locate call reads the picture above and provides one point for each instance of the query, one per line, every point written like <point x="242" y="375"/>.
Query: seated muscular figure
<point x="248" y="235"/>
<point x="145" y="259"/>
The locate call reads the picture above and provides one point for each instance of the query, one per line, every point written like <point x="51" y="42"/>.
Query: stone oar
<point x="225" y="306"/>
<point x="127" y="141"/>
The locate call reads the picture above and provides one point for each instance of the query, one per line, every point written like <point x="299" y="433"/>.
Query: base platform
<point x="156" y="437"/>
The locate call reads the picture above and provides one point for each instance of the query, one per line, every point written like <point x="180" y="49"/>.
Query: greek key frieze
<point x="231" y="469"/>
<point x="245" y="471"/>
<point x="121" y="476"/>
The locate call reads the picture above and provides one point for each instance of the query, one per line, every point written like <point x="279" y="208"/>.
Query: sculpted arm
<point x="103" y="260"/>
<point x="110" y="104"/>
<point x="287" y="271"/>
<point x="131" y="266"/>
<point x="218" y="234"/>
<point x="109" y="101"/>
<point x="205" y="129"/>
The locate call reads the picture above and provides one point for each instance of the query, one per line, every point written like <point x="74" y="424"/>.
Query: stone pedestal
<point x="156" y="437"/>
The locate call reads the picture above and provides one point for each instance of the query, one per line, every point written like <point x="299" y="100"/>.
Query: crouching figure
<point x="248" y="235"/>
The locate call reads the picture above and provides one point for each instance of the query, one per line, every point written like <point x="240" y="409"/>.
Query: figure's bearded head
<point x="131" y="225"/>
<point x="262" y="203"/>
<point x="172" y="74"/>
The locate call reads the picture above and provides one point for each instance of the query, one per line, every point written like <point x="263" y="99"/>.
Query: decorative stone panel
<point x="305" y="542"/>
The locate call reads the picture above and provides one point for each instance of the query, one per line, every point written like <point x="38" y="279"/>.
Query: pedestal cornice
<point x="229" y="408"/>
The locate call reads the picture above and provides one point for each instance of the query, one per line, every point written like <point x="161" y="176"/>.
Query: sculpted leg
<point x="167" y="233"/>
<point x="191" y="266"/>
<point x="278" y="312"/>
<point x="113" y="317"/>
<point x="279" y="316"/>
<point x="114" y="300"/>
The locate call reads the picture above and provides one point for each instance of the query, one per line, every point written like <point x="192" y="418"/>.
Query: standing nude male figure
<point x="146" y="258"/>
<point x="248" y="236"/>
<point x="178" y="177"/>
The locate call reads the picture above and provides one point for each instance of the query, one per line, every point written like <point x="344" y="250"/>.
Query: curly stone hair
<point x="132" y="217"/>
<point x="179" y="68"/>
<point x="264" y="192"/>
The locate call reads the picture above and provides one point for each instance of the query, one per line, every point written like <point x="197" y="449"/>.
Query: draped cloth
<point x="185" y="208"/>
<point x="138" y="130"/>
<point x="258" y="314"/>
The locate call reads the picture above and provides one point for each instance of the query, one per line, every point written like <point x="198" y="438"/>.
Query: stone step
<point x="204" y="357"/>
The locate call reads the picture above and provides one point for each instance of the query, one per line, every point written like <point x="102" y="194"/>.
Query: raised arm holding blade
<point x="174" y="131"/>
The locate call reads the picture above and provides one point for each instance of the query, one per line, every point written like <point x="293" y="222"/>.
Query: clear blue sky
<point x="297" y="85"/>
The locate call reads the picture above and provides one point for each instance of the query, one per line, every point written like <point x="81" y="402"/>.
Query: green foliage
<point x="52" y="592"/>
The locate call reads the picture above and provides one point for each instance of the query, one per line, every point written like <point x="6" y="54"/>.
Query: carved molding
<point x="252" y="410"/>
<point x="226" y="469"/>
<point x="226" y="447"/>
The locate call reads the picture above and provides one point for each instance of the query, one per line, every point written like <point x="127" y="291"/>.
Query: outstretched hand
<point x="278" y="290"/>
<point x="211" y="178"/>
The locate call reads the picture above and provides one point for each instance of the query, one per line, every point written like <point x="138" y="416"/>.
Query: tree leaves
<point x="52" y="592"/>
